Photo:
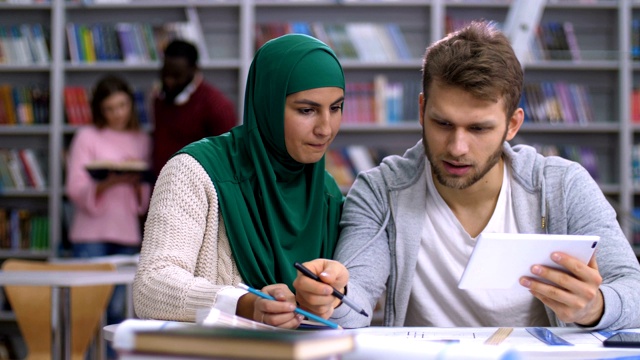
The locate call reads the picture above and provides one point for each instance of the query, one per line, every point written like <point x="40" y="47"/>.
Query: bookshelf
<point x="22" y="72"/>
<point x="224" y="31"/>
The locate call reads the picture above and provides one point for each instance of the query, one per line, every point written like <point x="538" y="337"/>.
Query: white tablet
<point x="499" y="260"/>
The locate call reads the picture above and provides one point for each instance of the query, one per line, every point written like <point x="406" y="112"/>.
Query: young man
<point x="186" y="108"/>
<point x="410" y="224"/>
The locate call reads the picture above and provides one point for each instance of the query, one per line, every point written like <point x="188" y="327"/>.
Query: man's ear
<point x="421" y="104"/>
<point x="514" y="123"/>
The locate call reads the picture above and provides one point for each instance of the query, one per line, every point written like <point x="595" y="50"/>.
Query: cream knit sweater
<point x="186" y="258"/>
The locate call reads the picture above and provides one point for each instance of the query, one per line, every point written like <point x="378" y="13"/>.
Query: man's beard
<point x="170" y="95"/>
<point x="461" y="183"/>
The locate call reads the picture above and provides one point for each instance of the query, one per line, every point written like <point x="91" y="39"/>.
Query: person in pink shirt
<point x="106" y="213"/>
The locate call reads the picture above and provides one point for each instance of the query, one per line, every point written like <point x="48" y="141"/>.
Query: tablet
<point x="499" y="260"/>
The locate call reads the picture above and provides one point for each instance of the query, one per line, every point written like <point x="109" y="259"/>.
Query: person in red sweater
<point x="186" y="108"/>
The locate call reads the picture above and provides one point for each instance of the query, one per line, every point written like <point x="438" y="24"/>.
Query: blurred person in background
<point x="186" y="108"/>
<point x="106" y="214"/>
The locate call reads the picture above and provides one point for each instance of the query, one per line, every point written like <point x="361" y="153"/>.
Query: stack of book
<point x="226" y="336"/>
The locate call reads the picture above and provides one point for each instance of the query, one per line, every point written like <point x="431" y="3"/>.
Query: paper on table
<point x="378" y="343"/>
<point x="215" y="317"/>
<point x="479" y="335"/>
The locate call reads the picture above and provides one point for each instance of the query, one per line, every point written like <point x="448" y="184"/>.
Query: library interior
<point x="581" y="100"/>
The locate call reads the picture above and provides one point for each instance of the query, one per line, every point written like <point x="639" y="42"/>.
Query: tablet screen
<point x="499" y="260"/>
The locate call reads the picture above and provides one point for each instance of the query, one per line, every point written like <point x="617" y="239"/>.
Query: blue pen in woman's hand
<point x="306" y="272"/>
<point x="297" y="310"/>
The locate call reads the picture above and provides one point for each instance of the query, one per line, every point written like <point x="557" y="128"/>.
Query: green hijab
<point x="275" y="209"/>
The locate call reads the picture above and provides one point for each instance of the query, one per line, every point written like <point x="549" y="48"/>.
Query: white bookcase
<point x="226" y="33"/>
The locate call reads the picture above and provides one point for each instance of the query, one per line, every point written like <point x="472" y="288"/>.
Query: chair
<point x="32" y="308"/>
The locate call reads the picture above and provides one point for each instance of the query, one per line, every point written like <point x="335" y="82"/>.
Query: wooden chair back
<point x="32" y="308"/>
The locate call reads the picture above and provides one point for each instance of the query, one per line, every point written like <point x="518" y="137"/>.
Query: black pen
<point x="306" y="272"/>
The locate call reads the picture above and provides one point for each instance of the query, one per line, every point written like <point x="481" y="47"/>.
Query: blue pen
<point x="298" y="310"/>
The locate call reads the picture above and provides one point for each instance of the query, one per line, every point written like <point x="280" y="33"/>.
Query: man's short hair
<point x="183" y="49"/>
<point x="479" y="59"/>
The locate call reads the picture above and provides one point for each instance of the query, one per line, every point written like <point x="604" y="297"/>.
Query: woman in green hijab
<point x="245" y="205"/>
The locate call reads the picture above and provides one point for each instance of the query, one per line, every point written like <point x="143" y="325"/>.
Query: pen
<point x="306" y="272"/>
<point x="298" y="310"/>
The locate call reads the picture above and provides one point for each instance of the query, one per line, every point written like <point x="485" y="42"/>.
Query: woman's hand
<point x="278" y="313"/>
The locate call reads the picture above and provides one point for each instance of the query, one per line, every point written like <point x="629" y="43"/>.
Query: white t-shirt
<point x="444" y="251"/>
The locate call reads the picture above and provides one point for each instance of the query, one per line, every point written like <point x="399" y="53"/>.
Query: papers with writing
<point x="215" y="317"/>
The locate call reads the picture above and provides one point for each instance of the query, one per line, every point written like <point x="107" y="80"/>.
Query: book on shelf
<point x="346" y="163"/>
<point x="635" y="38"/>
<point x="36" y="177"/>
<point x="635" y="164"/>
<point x="20" y="45"/>
<point x="381" y="101"/>
<point x="124" y="41"/>
<point x="76" y="105"/>
<point x="22" y="229"/>
<point x="339" y="168"/>
<point x="364" y="41"/>
<point x="399" y="41"/>
<point x="7" y="106"/>
<point x="140" y="104"/>
<point x="557" y="102"/>
<point x="360" y="157"/>
<point x="100" y="169"/>
<point x="359" y="106"/>
<point x="15" y="168"/>
<point x="635" y="213"/>
<point x="556" y="41"/>
<point x="584" y="155"/>
<point x="21" y="169"/>
<point x="23" y="105"/>
<point x="37" y="43"/>
<point x="6" y="179"/>
<point x="635" y="105"/>
<point x="73" y="50"/>
<point x="553" y="40"/>
<point x="341" y="43"/>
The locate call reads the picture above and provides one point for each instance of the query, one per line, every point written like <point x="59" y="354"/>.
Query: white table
<point x="61" y="283"/>
<point x="417" y="343"/>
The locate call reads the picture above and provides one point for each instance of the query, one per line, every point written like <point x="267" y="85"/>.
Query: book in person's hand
<point x="100" y="169"/>
<point x="243" y="343"/>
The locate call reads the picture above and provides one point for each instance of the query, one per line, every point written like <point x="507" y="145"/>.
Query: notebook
<point x="499" y="260"/>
